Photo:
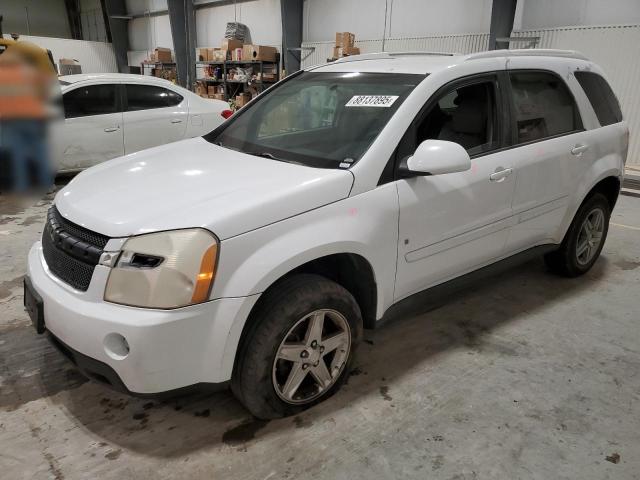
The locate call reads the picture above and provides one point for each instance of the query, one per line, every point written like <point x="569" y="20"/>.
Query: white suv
<point x="256" y="255"/>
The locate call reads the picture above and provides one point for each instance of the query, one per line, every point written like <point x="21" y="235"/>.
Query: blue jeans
<point x="26" y="144"/>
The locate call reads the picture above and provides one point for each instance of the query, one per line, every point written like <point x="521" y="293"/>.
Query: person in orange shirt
<point x="24" y="90"/>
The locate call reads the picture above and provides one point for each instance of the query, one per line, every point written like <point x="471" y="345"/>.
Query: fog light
<point x="116" y="346"/>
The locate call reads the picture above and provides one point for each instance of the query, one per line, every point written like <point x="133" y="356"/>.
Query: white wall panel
<point x="262" y="17"/>
<point x="458" y="43"/>
<point x="148" y="33"/>
<point x="94" y="57"/>
<point x="617" y="50"/>
<point x="559" y="13"/>
<point x="367" y="19"/>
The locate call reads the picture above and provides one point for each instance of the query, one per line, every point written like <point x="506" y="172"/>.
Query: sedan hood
<point x="194" y="183"/>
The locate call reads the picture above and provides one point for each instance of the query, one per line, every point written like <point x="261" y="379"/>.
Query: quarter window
<point x="90" y="100"/>
<point x="466" y="115"/>
<point x="145" y="97"/>
<point x="544" y="106"/>
<point x="602" y="98"/>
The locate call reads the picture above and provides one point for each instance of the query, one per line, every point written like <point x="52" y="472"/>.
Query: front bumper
<point x="168" y="349"/>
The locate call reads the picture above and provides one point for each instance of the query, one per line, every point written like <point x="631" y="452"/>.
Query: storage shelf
<point x="219" y="80"/>
<point x="234" y="87"/>
<point x="236" y="62"/>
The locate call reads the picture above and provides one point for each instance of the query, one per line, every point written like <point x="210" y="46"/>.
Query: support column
<point x="502" y="15"/>
<point x="291" y="34"/>
<point x="119" y="28"/>
<point x="183" y="30"/>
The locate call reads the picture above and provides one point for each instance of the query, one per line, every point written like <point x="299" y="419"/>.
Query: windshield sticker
<point x="371" y="101"/>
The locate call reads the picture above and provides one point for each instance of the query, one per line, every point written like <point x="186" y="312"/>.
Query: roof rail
<point x="382" y="55"/>
<point x="528" y="52"/>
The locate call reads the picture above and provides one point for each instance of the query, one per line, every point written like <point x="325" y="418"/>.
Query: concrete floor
<point x="525" y="375"/>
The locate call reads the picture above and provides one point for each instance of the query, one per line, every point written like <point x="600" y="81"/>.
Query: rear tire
<point x="300" y="347"/>
<point x="584" y="240"/>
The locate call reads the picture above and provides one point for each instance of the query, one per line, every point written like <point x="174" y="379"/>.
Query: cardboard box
<point x="243" y="99"/>
<point x="259" y="53"/>
<point x="236" y="54"/>
<point x="202" y="54"/>
<point x="218" y="55"/>
<point x="339" y="52"/>
<point x="345" y="39"/>
<point x="230" y="44"/>
<point x="217" y="96"/>
<point x="211" y="90"/>
<point x="201" y="89"/>
<point x="162" y="55"/>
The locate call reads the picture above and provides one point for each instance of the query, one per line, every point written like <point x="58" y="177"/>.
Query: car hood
<point x="193" y="183"/>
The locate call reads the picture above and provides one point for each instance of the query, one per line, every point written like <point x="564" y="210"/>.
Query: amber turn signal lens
<point x="205" y="277"/>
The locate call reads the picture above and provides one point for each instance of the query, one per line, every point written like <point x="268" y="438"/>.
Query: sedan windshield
<point x="325" y="120"/>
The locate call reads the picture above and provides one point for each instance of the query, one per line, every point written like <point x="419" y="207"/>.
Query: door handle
<point x="500" y="174"/>
<point x="578" y="150"/>
<point x="176" y="120"/>
<point x="111" y="129"/>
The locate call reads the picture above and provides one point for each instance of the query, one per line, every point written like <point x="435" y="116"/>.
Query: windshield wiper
<point x="273" y="157"/>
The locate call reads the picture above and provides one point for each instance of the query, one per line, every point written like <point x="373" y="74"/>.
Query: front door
<point x="153" y="116"/>
<point x="453" y="223"/>
<point x="92" y="131"/>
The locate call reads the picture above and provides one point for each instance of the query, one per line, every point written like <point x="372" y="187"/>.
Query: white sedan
<point x="110" y="115"/>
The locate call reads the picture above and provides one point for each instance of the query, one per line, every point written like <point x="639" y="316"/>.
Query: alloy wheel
<point x="590" y="236"/>
<point x="312" y="356"/>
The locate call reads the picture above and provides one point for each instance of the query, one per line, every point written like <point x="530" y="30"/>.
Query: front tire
<point x="584" y="240"/>
<point x="300" y="348"/>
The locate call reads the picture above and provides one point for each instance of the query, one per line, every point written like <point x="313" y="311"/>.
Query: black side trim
<point x="439" y="295"/>
<point x="102" y="373"/>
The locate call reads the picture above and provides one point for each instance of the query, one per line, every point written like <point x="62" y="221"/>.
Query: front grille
<point x="71" y="251"/>
<point x="77" y="231"/>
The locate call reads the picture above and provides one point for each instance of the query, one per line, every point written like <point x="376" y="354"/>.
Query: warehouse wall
<point x="263" y="18"/>
<point x="47" y="18"/>
<point x="94" y="57"/>
<point x="533" y="14"/>
<point x="147" y="33"/>
<point x="92" y="21"/>
<point x="404" y="18"/>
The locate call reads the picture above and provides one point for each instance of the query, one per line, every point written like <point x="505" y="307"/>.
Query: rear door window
<point x="543" y="106"/>
<point x="146" y="97"/>
<point x="90" y="100"/>
<point x="602" y="98"/>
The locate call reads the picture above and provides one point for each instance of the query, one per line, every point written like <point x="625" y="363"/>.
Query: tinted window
<point x="144" y="97"/>
<point x="320" y="119"/>
<point x="544" y="106"/>
<point x="602" y="99"/>
<point x="466" y="115"/>
<point x="90" y="100"/>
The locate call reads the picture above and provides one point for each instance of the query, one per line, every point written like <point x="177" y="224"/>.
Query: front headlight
<point x="164" y="270"/>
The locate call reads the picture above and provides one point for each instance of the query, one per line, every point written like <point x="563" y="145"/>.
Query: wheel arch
<point x="350" y="270"/>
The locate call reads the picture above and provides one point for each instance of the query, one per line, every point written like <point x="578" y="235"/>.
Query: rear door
<point x="551" y="149"/>
<point x="153" y="116"/>
<point x="92" y="131"/>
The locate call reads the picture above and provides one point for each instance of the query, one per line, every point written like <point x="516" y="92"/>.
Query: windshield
<point x="325" y="120"/>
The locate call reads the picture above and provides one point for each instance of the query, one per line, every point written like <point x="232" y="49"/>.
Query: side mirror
<point x="435" y="157"/>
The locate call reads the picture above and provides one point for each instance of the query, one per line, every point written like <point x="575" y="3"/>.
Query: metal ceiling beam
<point x="291" y="34"/>
<point x="502" y="15"/>
<point x="183" y="30"/>
<point x="119" y="28"/>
